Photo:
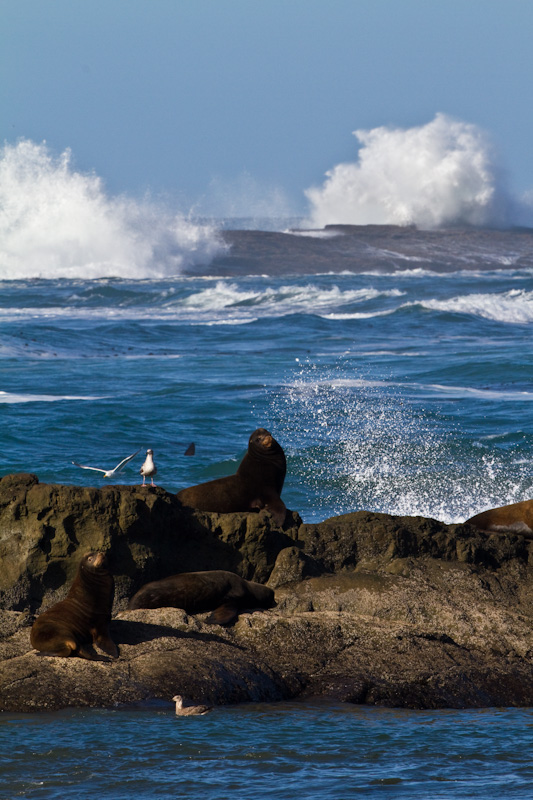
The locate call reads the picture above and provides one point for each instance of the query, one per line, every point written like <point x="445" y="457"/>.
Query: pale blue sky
<point x="186" y="97"/>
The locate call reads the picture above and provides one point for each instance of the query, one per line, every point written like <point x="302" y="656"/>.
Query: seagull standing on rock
<point x="148" y="469"/>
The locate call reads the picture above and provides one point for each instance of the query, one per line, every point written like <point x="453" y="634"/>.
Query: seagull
<point x="148" y="469"/>
<point x="185" y="708"/>
<point x="110" y="473"/>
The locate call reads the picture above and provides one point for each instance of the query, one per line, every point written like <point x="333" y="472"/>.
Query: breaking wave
<point x="56" y="222"/>
<point x="436" y="175"/>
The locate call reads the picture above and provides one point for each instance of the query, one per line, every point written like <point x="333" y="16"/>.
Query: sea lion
<point x="257" y="483"/>
<point x="514" y="518"/>
<point x="222" y="592"/>
<point x="69" y="628"/>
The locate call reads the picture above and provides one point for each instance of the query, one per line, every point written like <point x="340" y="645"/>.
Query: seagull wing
<point x="96" y="469"/>
<point x="123" y="463"/>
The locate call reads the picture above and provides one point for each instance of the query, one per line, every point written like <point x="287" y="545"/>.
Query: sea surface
<point x="401" y="389"/>
<point x="310" y="751"/>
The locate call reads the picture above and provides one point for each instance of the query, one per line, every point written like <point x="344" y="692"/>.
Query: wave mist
<point x="441" y="174"/>
<point x="56" y="222"/>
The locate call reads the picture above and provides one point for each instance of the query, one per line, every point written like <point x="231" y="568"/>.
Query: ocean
<point x="402" y="384"/>
<point x="406" y="392"/>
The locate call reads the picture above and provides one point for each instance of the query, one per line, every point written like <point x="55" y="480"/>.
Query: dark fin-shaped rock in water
<point x="191" y="450"/>
<point x="223" y="615"/>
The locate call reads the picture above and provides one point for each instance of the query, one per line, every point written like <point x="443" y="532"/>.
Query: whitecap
<point x="11" y="397"/>
<point x="59" y="223"/>
<point x="514" y="306"/>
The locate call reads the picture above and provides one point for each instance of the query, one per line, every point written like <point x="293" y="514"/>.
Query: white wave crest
<point x="56" y="223"/>
<point x="290" y="299"/>
<point x="438" y="174"/>
<point x="515" y="306"/>
<point x="11" y="397"/>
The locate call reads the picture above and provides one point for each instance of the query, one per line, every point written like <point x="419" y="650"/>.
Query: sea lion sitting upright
<point x="257" y="483"/>
<point x="69" y="628"/>
<point x="222" y="592"/>
<point x="514" y="518"/>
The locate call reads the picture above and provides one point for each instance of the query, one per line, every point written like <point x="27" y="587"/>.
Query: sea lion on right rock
<point x="257" y="483"/>
<point x="514" y="518"/>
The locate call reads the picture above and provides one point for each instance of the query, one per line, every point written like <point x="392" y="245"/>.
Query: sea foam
<point x="435" y="175"/>
<point x="60" y="223"/>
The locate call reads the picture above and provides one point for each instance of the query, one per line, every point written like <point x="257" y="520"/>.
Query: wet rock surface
<point x="371" y="608"/>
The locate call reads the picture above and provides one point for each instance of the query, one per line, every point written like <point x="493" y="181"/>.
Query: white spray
<point x="56" y="222"/>
<point x="439" y="174"/>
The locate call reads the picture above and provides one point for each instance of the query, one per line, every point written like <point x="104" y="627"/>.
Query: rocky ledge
<point x="371" y="608"/>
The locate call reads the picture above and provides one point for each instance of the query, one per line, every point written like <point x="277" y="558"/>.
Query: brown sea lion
<point x="257" y="483"/>
<point x="222" y="592"/>
<point x="514" y="518"/>
<point x="70" y="627"/>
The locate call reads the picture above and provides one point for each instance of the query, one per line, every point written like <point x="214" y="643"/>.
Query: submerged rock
<point x="371" y="608"/>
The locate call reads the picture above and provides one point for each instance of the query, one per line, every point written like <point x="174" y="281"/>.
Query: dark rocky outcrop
<point x="371" y="608"/>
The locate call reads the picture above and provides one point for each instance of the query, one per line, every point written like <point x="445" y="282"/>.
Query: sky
<point x="226" y="104"/>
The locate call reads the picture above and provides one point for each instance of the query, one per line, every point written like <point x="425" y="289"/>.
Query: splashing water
<point x="368" y="448"/>
<point x="56" y="223"/>
<point x="439" y="174"/>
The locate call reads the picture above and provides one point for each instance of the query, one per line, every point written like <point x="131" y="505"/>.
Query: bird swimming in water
<point x="148" y="469"/>
<point x="185" y="708"/>
<point x="110" y="473"/>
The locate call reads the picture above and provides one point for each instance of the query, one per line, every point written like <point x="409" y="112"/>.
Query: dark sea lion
<point x="70" y="627"/>
<point x="257" y="483"/>
<point x="514" y="518"/>
<point x="222" y="592"/>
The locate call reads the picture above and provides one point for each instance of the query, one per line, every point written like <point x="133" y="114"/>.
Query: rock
<point x="371" y="608"/>
<point x="293" y="565"/>
<point x="146" y="533"/>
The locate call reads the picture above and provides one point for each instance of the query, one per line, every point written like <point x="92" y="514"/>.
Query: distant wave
<point x="59" y="223"/>
<point x="10" y="397"/>
<point x="220" y="302"/>
<point x="435" y="175"/>
<point x="515" y="306"/>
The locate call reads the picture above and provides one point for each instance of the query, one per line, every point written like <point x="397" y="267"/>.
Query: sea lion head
<point x="94" y="560"/>
<point x="262" y="438"/>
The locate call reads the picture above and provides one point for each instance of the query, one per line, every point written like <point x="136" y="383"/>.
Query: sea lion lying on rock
<point x="514" y="518"/>
<point x="70" y="627"/>
<point x="257" y="483"/>
<point x="222" y="592"/>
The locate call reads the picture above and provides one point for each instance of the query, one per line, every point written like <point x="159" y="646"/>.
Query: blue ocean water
<point x="286" y="750"/>
<point x="408" y="392"/>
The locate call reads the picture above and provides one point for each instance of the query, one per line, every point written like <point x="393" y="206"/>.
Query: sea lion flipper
<point x="223" y="615"/>
<point x="278" y="509"/>
<point x="106" y="644"/>
<point x="86" y="651"/>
